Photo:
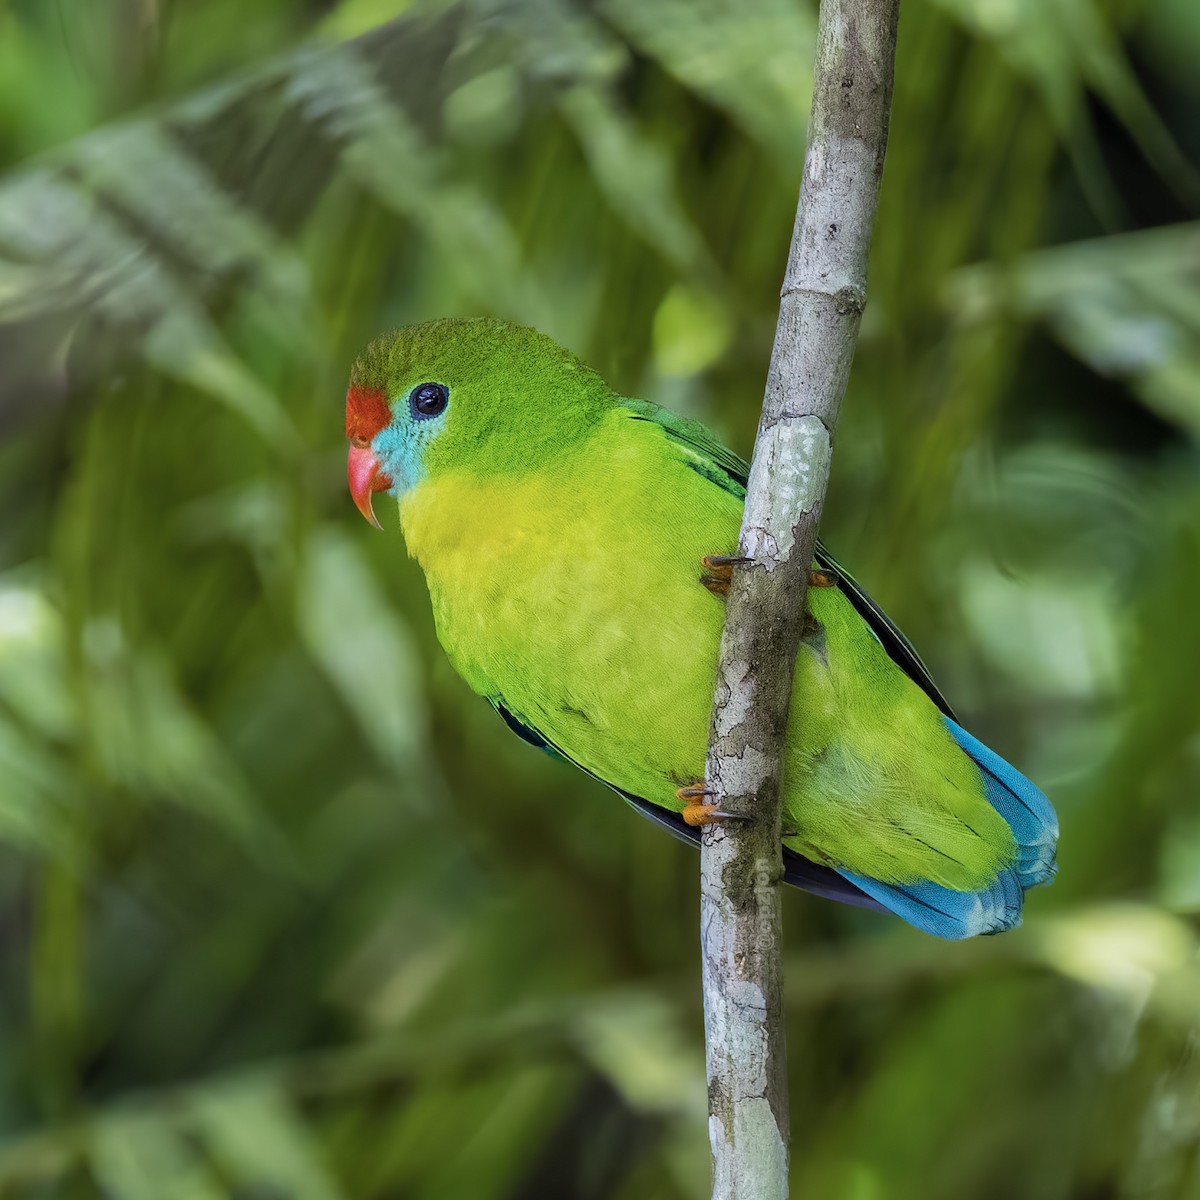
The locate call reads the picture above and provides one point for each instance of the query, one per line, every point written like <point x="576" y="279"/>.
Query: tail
<point x="950" y="914"/>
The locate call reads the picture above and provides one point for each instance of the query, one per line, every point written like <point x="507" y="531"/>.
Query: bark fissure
<point x="821" y="302"/>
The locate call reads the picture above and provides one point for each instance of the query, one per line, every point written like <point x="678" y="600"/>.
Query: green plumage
<point x="560" y="528"/>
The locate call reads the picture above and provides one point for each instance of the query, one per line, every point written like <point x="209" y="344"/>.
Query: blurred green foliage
<point x="285" y="912"/>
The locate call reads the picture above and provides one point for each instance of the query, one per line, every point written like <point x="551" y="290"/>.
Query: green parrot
<point x="571" y="539"/>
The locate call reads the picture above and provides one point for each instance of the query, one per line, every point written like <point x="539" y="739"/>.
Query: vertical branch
<point x="823" y="295"/>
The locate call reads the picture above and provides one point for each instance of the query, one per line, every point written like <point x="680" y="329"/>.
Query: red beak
<point x="366" y="477"/>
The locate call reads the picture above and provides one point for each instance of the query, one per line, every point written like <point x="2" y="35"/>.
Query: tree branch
<point x="823" y="295"/>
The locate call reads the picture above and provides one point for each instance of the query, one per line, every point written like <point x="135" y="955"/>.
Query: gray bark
<point x="823" y="295"/>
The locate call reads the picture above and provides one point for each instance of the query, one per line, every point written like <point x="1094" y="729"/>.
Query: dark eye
<point x="428" y="399"/>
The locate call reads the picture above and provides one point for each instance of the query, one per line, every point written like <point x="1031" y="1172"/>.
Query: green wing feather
<point x="709" y="458"/>
<point x="705" y="454"/>
<point x="799" y="871"/>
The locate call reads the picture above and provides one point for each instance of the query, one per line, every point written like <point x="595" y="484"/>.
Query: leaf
<point x="1065" y="47"/>
<point x="636" y="1040"/>
<point x="553" y="40"/>
<point x="36" y="719"/>
<point x="1055" y="638"/>
<point x="76" y="255"/>
<point x="143" y="1157"/>
<point x="31" y="798"/>
<point x="362" y="646"/>
<point x="149" y="176"/>
<point x="385" y="153"/>
<point x="255" y="1134"/>
<point x="150" y="740"/>
<point x="636" y="177"/>
<point x="752" y="58"/>
<point x="1126" y="949"/>
<point x="1180" y="885"/>
<point x="692" y="329"/>
<point x="1128" y="306"/>
<point x="186" y="346"/>
<point x="32" y="683"/>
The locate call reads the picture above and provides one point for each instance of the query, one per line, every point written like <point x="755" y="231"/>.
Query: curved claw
<point x="696" y="813"/>
<point x="718" y="571"/>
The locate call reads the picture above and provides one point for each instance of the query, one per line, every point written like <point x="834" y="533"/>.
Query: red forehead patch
<point x="367" y="412"/>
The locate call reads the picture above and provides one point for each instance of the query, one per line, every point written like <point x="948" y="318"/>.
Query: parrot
<point x="576" y="545"/>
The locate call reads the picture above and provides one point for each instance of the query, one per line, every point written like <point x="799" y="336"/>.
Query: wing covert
<point x="705" y="454"/>
<point x="797" y="870"/>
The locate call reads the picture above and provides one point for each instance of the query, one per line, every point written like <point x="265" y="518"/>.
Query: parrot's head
<point x="476" y="395"/>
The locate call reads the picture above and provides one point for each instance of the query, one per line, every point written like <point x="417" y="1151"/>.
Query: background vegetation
<point x="285" y="912"/>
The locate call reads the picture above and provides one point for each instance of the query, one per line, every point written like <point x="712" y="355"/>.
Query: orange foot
<point x="718" y="571"/>
<point x="697" y="813"/>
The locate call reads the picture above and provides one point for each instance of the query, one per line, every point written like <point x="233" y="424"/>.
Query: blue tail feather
<point x="1024" y="806"/>
<point x="949" y="914"/>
